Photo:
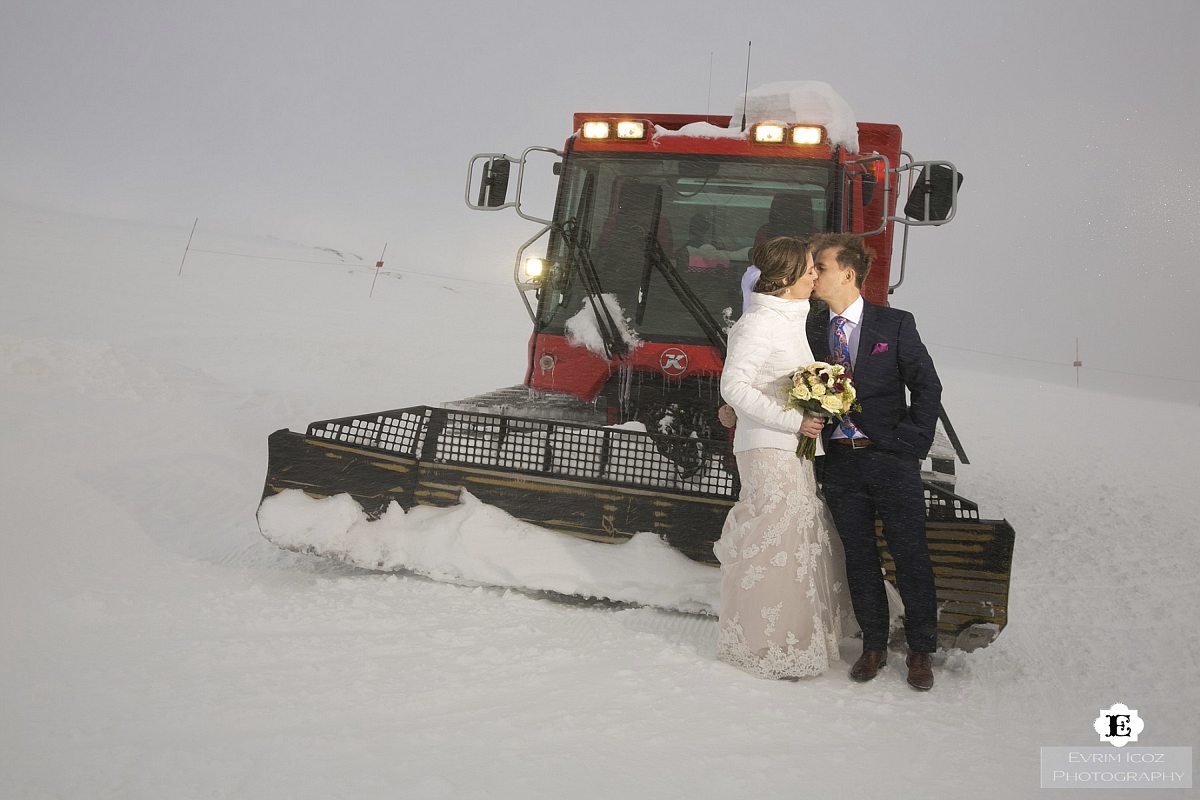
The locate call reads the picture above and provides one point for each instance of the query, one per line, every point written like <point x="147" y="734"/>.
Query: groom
<point x="873" y="457"/>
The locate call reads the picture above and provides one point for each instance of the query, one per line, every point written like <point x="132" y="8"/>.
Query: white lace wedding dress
<point x="784" y="600"/>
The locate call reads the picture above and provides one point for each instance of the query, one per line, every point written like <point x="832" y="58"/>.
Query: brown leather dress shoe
<point x="920" y="671"/>
<point x="868" y="665"/>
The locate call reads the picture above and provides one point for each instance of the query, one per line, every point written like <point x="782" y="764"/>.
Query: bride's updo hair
<point x="781" y="261"/>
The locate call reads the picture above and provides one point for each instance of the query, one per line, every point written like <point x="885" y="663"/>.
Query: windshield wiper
<point x="579" y="254"/>
<point x="657" y="258"/>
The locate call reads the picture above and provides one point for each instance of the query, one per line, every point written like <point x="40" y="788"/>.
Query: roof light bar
<point x="779" y="133"/>
<point x="595" y="129"/>
<point x="623" y="129"/>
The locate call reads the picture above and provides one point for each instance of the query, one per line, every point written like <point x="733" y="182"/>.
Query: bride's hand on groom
<point x="727" y="415"/>
<point x="812" y="426"/>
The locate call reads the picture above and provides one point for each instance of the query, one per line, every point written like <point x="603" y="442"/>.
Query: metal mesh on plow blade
<point x="543" y="447"/>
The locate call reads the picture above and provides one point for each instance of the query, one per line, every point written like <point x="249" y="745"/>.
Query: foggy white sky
<point x="350" y="124"/>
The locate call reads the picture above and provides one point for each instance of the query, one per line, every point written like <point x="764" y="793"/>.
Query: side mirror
<point x="934" y="193"/>
<point x="489" y="191"/>
<point x="493" y="184"/>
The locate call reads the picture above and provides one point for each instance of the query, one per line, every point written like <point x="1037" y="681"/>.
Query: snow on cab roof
<point x="800" y="101"/>
<point x="786" y="102"/>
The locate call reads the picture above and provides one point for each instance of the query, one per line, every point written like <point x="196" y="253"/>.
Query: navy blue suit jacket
<point x="891" y="358"/>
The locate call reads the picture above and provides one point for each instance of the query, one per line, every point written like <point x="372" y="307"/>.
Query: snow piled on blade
<point x="800" y="101"/>
<point x="584" y="331"/>
<point x="475" y="543"/>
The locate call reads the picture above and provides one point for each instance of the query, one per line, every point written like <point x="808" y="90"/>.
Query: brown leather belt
<point x="854" y="444"/>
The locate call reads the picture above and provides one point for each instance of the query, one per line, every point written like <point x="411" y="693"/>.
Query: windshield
<point x="709" y="211"/>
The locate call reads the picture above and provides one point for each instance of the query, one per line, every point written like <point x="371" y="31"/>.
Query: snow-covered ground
<point x="156" y="646"/>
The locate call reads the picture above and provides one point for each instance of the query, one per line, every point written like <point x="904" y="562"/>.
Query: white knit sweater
<point x="766" y="345"/>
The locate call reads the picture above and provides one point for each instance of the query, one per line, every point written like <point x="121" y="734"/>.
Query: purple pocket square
<point x="880" y="347"/>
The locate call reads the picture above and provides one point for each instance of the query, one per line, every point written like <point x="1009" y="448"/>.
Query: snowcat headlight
<point x="631" y="129"/>
<point x="595" y="129"/>
<point x="808" y="134"/>
<point x="535" y="268"/>
<point x="768" y="134"/>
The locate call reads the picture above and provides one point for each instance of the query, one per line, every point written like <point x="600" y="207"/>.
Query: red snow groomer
<point x="614" y="430"/>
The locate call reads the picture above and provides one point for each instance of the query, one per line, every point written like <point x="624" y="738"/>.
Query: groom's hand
<point x="812" y="426"/>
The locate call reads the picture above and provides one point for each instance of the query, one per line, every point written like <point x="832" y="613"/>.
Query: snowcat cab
<point x="614" y="429"/>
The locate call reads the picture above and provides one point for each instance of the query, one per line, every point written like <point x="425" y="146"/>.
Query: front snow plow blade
<point x="603" y="484"/>
<point x="598" y="483"/>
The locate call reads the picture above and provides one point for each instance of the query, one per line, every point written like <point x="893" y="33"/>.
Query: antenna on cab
<point x="745" y="97"/>
<point x="708" y="100"/>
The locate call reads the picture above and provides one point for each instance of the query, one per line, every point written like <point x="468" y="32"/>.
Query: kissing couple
<point x="799" y="572"/>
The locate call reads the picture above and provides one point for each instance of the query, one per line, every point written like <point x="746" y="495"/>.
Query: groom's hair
<point x="852" y="253"/>
<point x="780" y="261"/>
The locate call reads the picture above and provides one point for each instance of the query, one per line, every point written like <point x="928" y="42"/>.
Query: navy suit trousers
<point x="857" y="485"/>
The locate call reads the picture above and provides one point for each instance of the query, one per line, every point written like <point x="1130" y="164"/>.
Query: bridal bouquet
<point x="821" y="390"/>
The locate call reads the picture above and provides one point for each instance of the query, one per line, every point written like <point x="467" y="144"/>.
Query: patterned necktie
<point x="841" y="355"/>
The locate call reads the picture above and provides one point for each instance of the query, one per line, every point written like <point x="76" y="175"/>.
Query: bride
<point x="784" y="602"/>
